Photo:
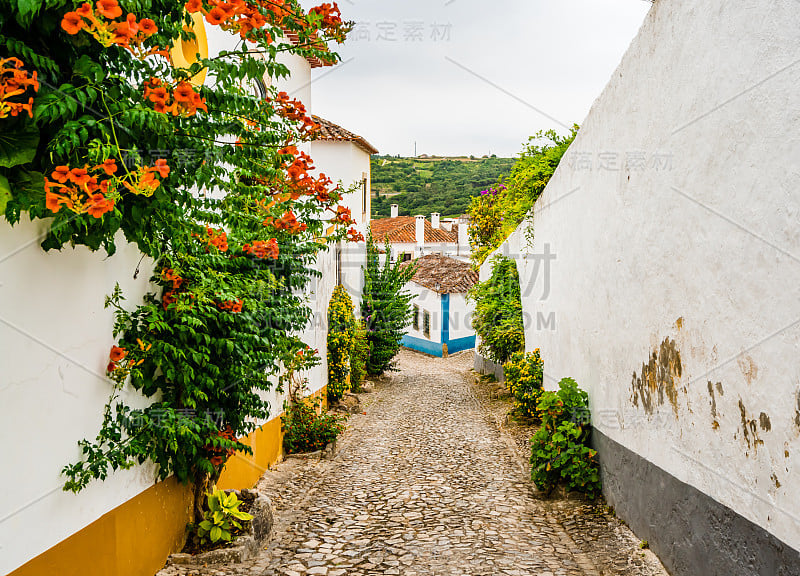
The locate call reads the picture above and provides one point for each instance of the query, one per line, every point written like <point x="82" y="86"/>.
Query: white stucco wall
<point x="698" y="248"/>
<point x="417" y="251"/>
<point x="347" y="164"/>
<point x="319" y="294"/>
<point x="55" y="337"/>
<point x="461" y="312"/>
<point x="428" y="301"/>
<point x="298" y="85"/>
<point x="403" y="247"/>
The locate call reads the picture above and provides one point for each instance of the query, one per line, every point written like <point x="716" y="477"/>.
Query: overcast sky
<point x="469" y="76"/>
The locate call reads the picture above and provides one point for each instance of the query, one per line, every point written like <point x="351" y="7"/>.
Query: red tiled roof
<point x="314" y="61"/>
<point x="330" y="131"/>
<point x="403" y="229"/>
<point x="444" y="275"/>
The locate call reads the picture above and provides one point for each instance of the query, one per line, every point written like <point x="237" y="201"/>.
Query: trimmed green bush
<point x="386" y="306"/>
<point x="524" y="375"/>
<point x="560" y="448"/>
<point x="358" y="357"/>
<point x="341" y="336"/>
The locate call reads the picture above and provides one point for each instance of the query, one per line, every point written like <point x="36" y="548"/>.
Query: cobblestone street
<point x="426" y="483"/>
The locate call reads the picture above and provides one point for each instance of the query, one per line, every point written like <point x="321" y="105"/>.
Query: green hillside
<point x="425" y="185"/>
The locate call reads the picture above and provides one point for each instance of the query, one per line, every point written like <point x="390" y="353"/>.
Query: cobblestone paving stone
<point x="426" y="483"/>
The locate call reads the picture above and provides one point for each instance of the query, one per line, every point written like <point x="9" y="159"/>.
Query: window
<point x="426" y="324"/>
<point x="406" y="257"/>
<point x="364" y="195"/>
<point x="416" y="317"/>
<point x="338" y="264"/>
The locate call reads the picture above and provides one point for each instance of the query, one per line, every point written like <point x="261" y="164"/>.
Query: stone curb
<point x="246" y="546"/>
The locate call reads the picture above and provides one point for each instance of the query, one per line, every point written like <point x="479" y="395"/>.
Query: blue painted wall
<point x="445" y="318"/>
<point x="435" y="348"/>
<point x="421" y="345"/>
<point x="461" y="344"/>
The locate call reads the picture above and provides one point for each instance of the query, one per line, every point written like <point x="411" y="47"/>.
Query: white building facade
<point x="54" y="344"/>
<point x="412" y="237"/>
<point x="674" y="294"/>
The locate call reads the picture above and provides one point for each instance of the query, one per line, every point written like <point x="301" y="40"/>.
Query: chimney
<point x="435" y="220"/>
<point x="420" y="230"/>
<point x="395" y="210"/>
<point x="463" y="234"/>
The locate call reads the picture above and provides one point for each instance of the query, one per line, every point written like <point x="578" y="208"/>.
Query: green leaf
<point x="216" y="533"/>
<point x="230" y="500"/>
<point x="206" y="525"/>
<point x="18" y="146"/>
<point x="213" y="503"/>
<point x="28" y="7"/>
<point x="5" y="194"/>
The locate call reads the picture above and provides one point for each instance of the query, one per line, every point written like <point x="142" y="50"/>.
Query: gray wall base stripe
<point x="692" y="534"/>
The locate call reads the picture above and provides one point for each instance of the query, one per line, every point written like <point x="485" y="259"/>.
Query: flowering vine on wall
<point x="88" y="89"/>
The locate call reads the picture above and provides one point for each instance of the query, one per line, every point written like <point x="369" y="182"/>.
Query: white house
<point x="345" y="158"/>
<point x="441" y="323"/>
<point x="53" y="360"/>
<point x="414" y="236"/>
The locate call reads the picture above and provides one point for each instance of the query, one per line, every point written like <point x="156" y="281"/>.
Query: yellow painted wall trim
<point x="184" y="52"/>
<point x="134" y="539"/>
<point x="244" y="470"/>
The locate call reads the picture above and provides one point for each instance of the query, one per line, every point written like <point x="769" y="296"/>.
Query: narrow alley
<point x="425" y="483"/>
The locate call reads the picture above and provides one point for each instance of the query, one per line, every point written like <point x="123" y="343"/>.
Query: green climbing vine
<point x="105" y="138"/>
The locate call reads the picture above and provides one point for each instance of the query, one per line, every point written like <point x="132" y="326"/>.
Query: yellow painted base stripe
<point x="134" y="539"/>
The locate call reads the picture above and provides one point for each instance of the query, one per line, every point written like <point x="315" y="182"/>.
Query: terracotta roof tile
<point x="403" y="229"/>
<point x="314" y="61"/>
<point x="444" y="275"/>
<point x="330" y="131"/>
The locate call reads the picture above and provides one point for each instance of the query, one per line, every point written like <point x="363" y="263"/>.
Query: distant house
<point x="441" y="323"/>
<point x="414" y="236"/>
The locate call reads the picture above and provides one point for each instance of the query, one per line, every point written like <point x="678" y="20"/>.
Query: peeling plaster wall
<point x="675" y="283"/>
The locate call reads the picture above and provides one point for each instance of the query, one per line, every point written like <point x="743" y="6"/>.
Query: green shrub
<point x="358" y="357"/>
<point x="499" y="210"/>
<point x="341" y="334"/>
<point x="524" y="375"/>
<point x="306" y="430"/>
<point x="560" y="448"/>
<point x="498" y="312"/>
<point x="386" y="306"/>
<point x="223" y="519"/>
